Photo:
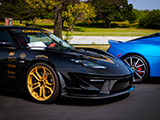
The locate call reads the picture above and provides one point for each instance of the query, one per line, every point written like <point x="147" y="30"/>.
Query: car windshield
<point x="43" y="39"/>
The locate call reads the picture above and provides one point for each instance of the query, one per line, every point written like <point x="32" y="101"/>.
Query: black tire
<point x="42" y="83"/>
<point x="139" y="65"/>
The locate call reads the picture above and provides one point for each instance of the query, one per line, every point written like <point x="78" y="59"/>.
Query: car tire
<point x="42" y="83"/>
<point x="139" y="65"/>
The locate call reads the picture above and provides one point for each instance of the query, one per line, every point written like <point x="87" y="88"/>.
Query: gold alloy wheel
<point x="41" y="83"/>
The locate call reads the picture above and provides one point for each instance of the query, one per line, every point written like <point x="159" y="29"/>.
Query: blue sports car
<point x="141" y="54"/>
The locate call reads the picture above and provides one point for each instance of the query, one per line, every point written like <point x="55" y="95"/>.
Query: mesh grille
<point x="121" y="85"/>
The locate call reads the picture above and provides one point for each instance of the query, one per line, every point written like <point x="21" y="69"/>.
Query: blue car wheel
<point x="139" y="65"/>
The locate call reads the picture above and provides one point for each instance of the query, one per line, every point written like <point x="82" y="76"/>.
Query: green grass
<point x="97" y="46"/>
<point x="98" y="30"/>
<point x="87" y="31"/>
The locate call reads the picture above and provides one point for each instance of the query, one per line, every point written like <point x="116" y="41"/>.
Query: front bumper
<point x="97" y="87"/>
<point x="100" y="95"/>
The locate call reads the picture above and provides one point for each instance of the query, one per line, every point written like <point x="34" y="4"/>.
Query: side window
<point x="4" y="37"/>
<point x="21" y="38"/>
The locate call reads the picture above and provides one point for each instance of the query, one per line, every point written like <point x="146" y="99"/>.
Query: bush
<point x="151" y="20"/>
<point x="17" y="23"/>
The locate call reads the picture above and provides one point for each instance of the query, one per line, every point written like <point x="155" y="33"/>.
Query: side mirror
<point x="66" y="41"/>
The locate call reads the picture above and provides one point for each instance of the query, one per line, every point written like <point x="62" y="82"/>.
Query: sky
<point x="145" y="4"/>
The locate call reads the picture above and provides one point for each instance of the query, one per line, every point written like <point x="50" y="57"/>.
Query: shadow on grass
<point x="102" y="25"/>
<point x="45" y="26"/>
<point x="77" y="29"/>
<point x="92" y="25"/>
<point x="81" y="26"/>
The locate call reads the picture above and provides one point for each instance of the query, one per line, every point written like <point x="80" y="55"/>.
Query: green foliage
<point x="16" y="9"/>
<point x="88" y="13"/>
<point x="151" y="20"/>
<point x="139" y="14"/>
<point x="81" y="11"/>
<point x="17" y="23"/>
<point x="35" y="4"/>
<point x="124" y="24"/>
<point x="113" y="10"/>
<point x="49" y="14"/>
<point x="39" y="8"/>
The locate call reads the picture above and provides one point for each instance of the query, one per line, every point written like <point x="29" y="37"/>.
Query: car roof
<point x="148" y="36"/>
<point x="18" y="27"/>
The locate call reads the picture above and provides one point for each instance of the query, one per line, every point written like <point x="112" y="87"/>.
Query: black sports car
<point x="47" y="67"/>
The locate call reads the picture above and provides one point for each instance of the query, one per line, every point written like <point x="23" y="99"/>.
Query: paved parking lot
<point x="142" y="104"/>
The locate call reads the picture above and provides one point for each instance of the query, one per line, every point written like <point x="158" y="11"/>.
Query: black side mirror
<point x="66" y="41"/>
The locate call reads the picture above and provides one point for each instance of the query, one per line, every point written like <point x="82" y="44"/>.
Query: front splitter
<point x="100" y="95"/>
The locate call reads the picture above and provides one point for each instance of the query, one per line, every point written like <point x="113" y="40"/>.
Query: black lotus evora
<point x="46" y="67"/>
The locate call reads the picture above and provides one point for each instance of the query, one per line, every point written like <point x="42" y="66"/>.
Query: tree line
<point x="71" y="11"/>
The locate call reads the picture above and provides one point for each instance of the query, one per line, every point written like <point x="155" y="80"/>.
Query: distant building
<point x="9" y="21"/>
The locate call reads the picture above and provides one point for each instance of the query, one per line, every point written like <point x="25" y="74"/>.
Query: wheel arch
<point x="51" y="68"/>
<point x="133" y="53"/>
<point x="39" y="61"/>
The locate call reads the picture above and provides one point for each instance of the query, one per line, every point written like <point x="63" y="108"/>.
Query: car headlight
<point x="88" y="63"/>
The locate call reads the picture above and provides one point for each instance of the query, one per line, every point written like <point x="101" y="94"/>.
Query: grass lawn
<point x="98" y="31"/>
<point x="89" y="31"/>
<point x="97" y="46"/>
<point x="95" y="31"/>
<point x="86" y="31"/>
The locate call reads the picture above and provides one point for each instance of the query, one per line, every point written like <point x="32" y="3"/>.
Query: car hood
<point x="112" y="64"/>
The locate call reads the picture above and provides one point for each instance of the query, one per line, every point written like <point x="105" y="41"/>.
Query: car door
<point x="8" y="59"/>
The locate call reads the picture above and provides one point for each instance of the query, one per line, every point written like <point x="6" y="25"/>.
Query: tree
<point x="57" y="6"/>
<point x="151" y="20"/>
<point x="78" y="11"/>
<point x="112" y="10"/>
<point x="36" y="9"/>
<point x="13" y="9"/>
<point x="139" y="14"/>
<point x="41" y="5"/>
<point x="58" y="19"/>
<point x="128" y="13"/>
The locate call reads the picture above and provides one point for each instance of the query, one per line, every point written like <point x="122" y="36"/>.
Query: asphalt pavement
<point x="141" y="104"/>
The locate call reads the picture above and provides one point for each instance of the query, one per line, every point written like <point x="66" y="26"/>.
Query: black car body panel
<point x="82" y="73"/>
